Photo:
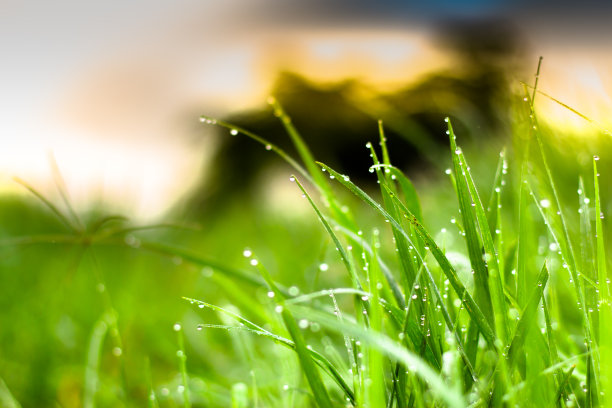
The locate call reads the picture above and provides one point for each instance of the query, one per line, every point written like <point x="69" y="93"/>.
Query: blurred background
<point x="100" y="112"/>
<point x="114" y="90"/>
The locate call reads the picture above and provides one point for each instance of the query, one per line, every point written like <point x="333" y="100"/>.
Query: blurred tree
<point x="337" y="119"/>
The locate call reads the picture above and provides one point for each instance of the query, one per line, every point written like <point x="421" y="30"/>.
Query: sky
<point x="112" y="90"/>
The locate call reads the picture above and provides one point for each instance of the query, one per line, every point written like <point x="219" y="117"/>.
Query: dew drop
<point x="233" y="132"/>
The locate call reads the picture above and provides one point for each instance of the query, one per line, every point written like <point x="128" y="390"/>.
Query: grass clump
<point x="418" y="333"/>
<point x="508" y="305"/>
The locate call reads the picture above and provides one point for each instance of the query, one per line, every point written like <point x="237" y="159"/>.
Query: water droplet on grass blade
<point x="545" y="203"/>
<point x="233" y="132"/>
<point x="323" y="267"/>
<point x="176" y="327"/>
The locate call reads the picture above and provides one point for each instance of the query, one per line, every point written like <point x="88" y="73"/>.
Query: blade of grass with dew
<point x="444" y="263"/>
<point x="491" y="262"/>
<point x="589" y="274"/>
<point x="528" y="316"/>
<point x="182" y="360"/>
<point x="375" y="381"/>
<point x="604" y="304"/>
<point x="343" y="254"/>
<point x="551" y="341"/>
<point x="471" y="306"/>
<point x="500" y="307"/>
<point x="321" y="361"/>
<point x="558" y="227"/>
<point x="390" y="348"/>
<point x="319" y="392"/>
<point x="466" y="299"/>
<point x="193" y="257"/>
<point x="564" y="384"/>
<point x="481" y="272"/>
<point x="395" y="289"/>
<point x="498" y="183"/>
<point x="308" y="159"/>
<point x="401" y="243"/>
<point x="235" y="130"/>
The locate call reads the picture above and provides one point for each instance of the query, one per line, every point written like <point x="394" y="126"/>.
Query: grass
<point x="369" y="302"/>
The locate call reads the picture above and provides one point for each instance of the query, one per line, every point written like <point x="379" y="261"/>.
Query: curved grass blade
<point x="393" y="350"/>
<point x="94" y="354"/>
<point x="604" y="304"/>
<point x="320" y="360"/>
<point x="375" y="391"/>
<point x="444" y="263"/>
<point x="7" y="399"/>
<point x="49" y="205"/>
<point x="466" y="203"/>
<point x="311" y="373"/>
<point x="491" y="262"/>
<point x="528" y="316"/>
<point x="269" y="146"/>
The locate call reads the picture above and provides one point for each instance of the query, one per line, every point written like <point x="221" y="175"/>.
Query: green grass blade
<point x="309" y="369"/>
<point x="466" y="202"/>
<point x="301" y="147"/>
<point x="94" y="354"/>
<point x="528" y="316"/>
<point x="375" y="381"/>
<point x="48" y="204"/>
<point x="491" y="262"/>
<point x="393" y="350"/>
<point x="564" y="383"/>
<point x="235" y="130"/>
<point x="251" y="327"/>
<point x="343" y="254"/>
<point x="240" y="395"/>
<point x="6" y="398"/>
<point x="182" y="360"/>
<point x="444" y="263"/>
<point x="604" y="304"/>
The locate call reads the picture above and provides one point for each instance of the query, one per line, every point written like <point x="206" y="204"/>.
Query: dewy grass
<point x="529" y="324"/>
<point x="521" y="361"/>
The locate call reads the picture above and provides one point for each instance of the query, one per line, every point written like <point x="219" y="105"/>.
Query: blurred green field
<point x="88" y="310"/>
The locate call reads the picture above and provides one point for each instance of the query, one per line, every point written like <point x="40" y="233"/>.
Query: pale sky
<point x="114" y="88"/>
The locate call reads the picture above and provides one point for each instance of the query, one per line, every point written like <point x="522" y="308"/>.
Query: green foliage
<point x="377" y="308"/>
